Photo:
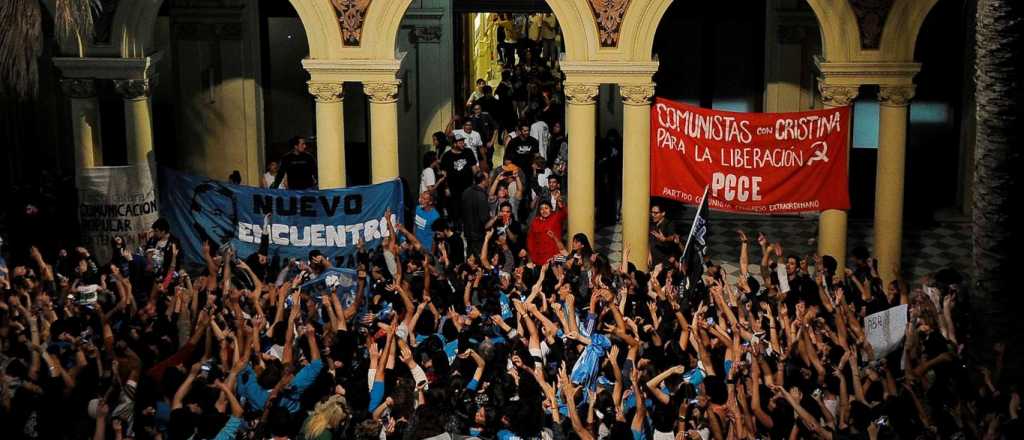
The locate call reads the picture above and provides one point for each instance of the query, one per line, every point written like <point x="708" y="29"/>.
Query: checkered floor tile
<point x="926" y="248"/>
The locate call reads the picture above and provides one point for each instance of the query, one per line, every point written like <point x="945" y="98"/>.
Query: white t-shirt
<point x="268" y="180"/>
<point x="473" y="140"/>
<point x="427" y="179"/>
<point x="542" y="178"/>
<point x="539" y="131"/>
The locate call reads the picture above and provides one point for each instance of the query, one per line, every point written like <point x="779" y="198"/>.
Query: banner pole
<point x="693" y="225"/>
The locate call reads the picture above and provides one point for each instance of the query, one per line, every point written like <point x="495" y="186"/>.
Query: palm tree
<point x="21" y="44"/>
<point x="21" y="39"/>
<point x="997" y="159"/>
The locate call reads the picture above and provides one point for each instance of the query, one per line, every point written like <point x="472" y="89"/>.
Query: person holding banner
<point x="298" y="166"/>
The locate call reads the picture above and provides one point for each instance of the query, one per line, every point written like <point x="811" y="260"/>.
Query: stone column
<point x="636" y="169"/>
<point x="383" y="129"/>
<point x="330" y="134"/>
<point x="832" y="222"/>
<point x="581" y="127"/>
<point x="892" y="151"/>
<point x="85" y="121"/>
<point x="138" y="120"/>
<point x="784" y="90"/>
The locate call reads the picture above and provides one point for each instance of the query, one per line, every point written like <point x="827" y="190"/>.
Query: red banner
<point x="757" y="163"/>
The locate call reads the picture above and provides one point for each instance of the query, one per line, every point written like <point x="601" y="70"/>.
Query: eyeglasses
<point x="655" y="212"/>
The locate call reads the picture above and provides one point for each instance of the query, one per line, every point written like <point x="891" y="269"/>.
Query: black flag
<point x="697" y="243"/>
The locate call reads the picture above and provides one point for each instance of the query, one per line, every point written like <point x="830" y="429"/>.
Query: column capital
<point x="896" y="96"/>
<point x="581" y="93"/>
<point x="327" y="92"/>
<point x="78" y="88"/>
<point x="381" y="92"/>
<point x="133" y="88"/>
<point x="637" y="94"/>
<point x="837" y="96"/>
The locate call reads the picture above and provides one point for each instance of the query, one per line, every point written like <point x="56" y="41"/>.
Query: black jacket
<point x="475" y="212"/>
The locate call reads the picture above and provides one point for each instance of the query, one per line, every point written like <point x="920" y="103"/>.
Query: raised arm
<point x="653" y="385"/>
<point x="641" y="409"/>
<point x="744" y="255"/>
<point x="569" y="392"/>
<point x="808" y="420"/>
<point x="289" y="335"/>
<point x="186" y="386"/>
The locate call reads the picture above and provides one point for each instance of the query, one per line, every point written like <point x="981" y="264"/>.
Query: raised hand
<point x="406" y="353"/>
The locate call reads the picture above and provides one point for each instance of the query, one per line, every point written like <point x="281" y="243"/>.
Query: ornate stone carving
<point x="837" y="96"/>
<point x="78" y="87"/>
<point x="581" y="93"/>
<point x="351" y="15"/>
<point x="132" y="88"/>
<point x="426" y="34"/>
<point x="871" y="15"/>
<point x="609" y="14"/>
<point x="327" y="92"/>
<point x="896" y="96"/>
<point x="637" y="95"/>
<point x="381" y="92"/>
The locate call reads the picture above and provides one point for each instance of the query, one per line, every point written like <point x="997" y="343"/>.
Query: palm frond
<point x="21" y="44"/>
<point x="74" y="20"/>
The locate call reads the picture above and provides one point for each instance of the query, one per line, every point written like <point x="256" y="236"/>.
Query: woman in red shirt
<point x="543" y="240"/>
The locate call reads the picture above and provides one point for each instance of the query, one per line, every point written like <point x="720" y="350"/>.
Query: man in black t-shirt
<point x="459" y="165"/>
<point x="522" y="149"/>
<point x="662" y="239"/>
<point x="298" y="165"/>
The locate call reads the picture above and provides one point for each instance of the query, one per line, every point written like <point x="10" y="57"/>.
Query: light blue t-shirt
<point x="423" y="221"/>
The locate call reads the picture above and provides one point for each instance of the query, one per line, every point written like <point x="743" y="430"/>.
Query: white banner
<point x="115" y="201"/>
<point x="886" y="329"/>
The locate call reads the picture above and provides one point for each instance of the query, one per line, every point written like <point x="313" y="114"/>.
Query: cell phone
<point x="817" y="393"/>
<point x="882" y="421"/>
<point x="204" y="370"/>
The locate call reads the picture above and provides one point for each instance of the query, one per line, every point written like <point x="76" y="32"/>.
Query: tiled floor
<point x="926" y="249"/>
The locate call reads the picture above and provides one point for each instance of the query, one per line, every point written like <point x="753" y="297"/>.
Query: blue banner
<point x="331" y="221"/>
<point x="341" y="279"/>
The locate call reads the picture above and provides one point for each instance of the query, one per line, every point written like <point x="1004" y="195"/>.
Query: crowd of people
<point x="481" y="318"/>
<point x="502" y="331"/>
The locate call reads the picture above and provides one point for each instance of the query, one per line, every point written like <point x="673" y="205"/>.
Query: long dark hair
<point x="442" y="141"/>
<point x="582" y="238"/>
